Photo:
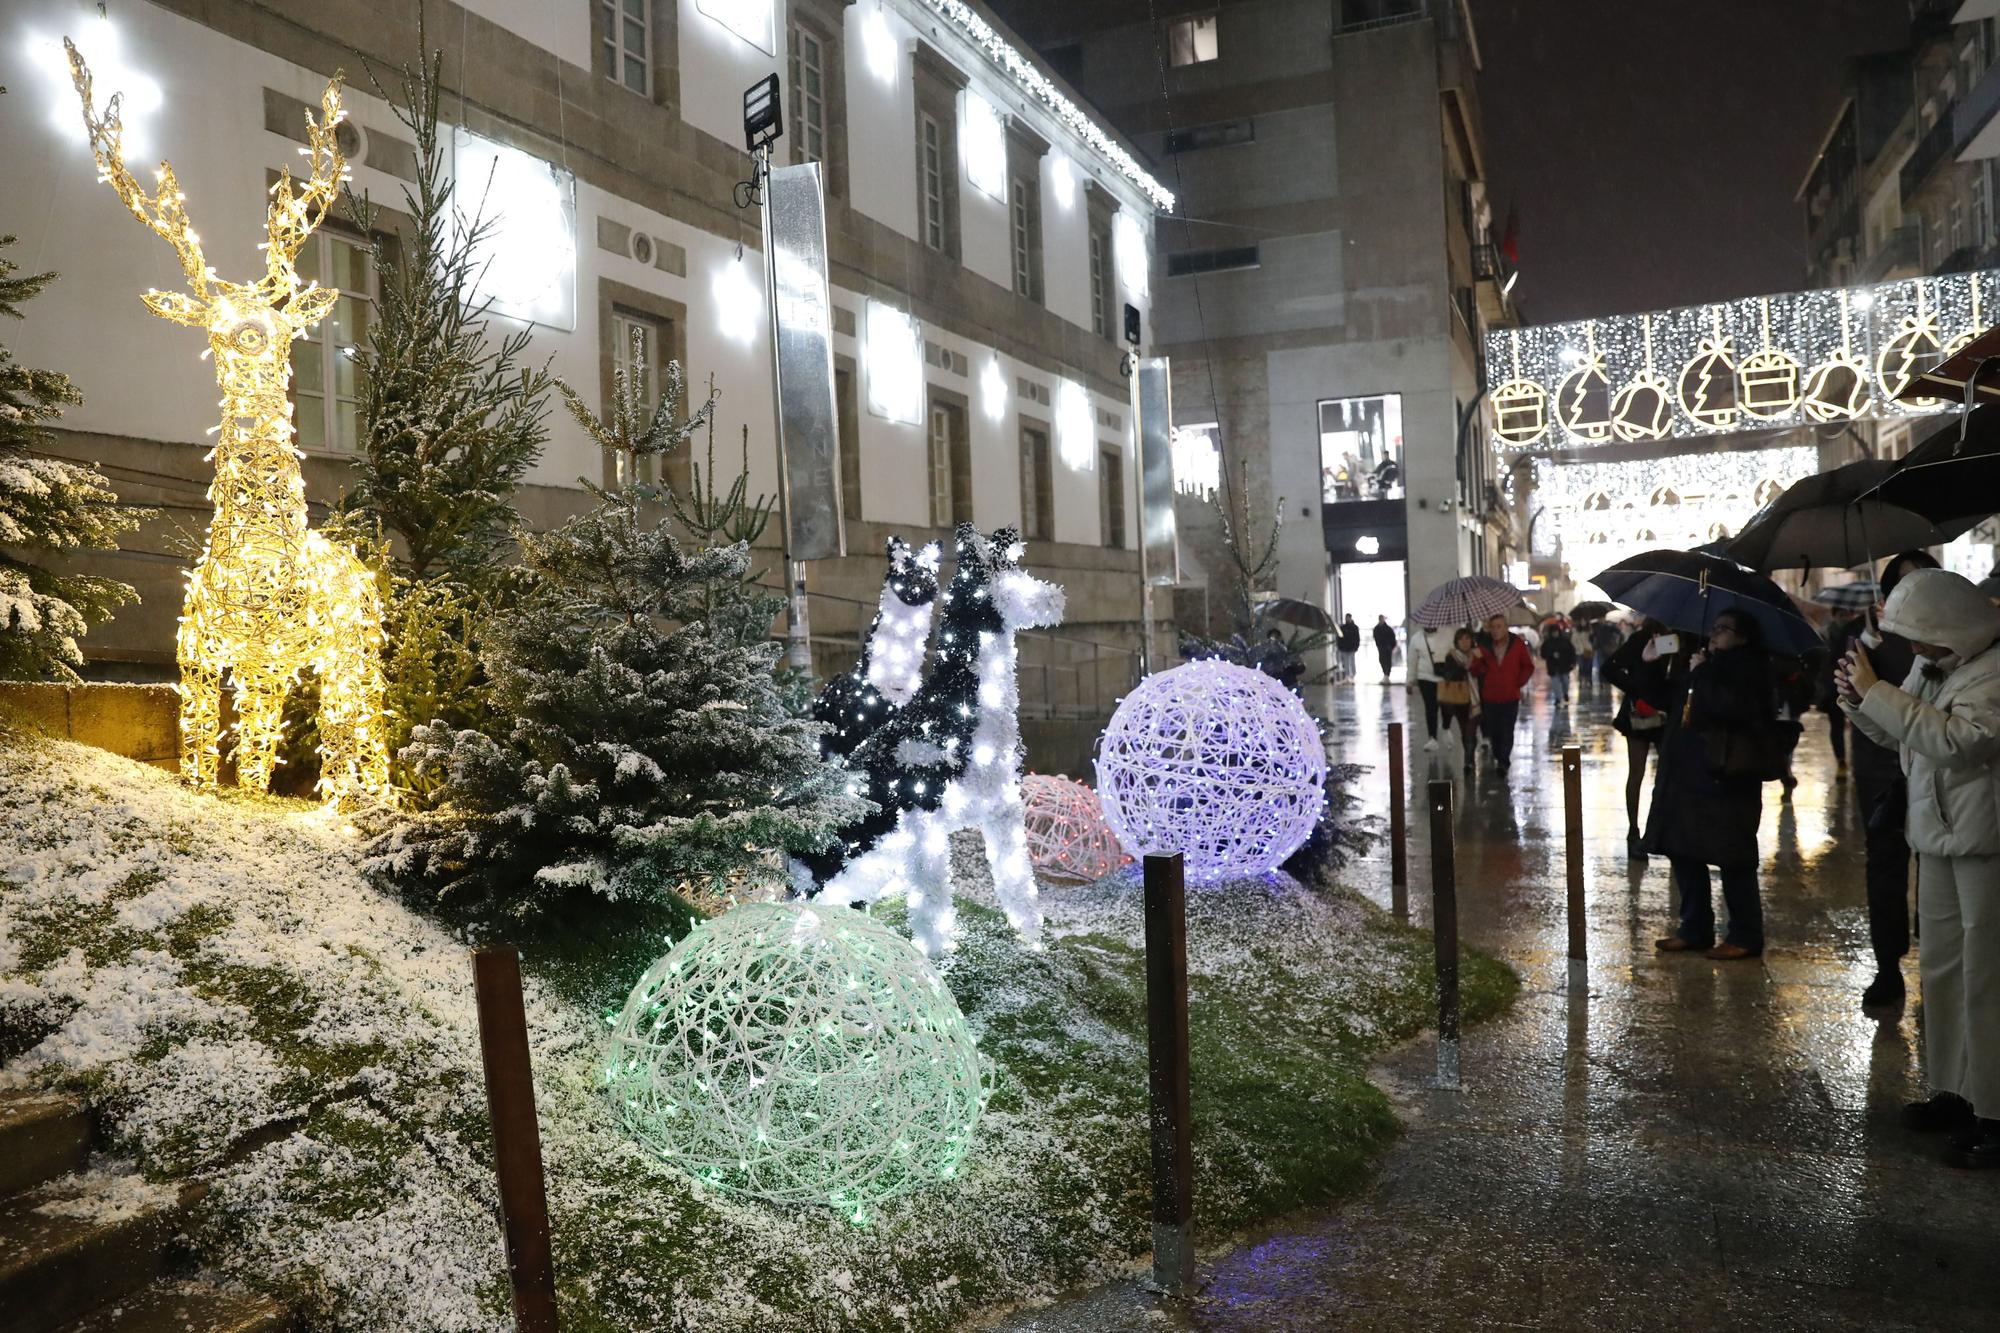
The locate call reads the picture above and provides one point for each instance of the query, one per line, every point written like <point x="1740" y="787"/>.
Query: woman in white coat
<point x="1422" y="656"/>
<point x="1944" y="722"/>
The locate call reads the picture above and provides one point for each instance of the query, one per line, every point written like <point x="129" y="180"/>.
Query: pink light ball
<point x="1217" y="762"/>
<point x="1067" y="835"/>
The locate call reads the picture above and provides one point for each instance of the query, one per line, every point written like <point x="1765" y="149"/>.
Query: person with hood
<point x="1944" y="722"/>
<point x="1721" y="744"/>
<point x="1423" y="666"/>
<point x="1503" y="671"/>
<point x="1349" y="643"/>
<point x="1880" y="796"/>
<point x="1385" y="645"/>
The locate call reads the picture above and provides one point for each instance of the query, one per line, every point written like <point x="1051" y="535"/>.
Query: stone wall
<point x="141" y="722"/>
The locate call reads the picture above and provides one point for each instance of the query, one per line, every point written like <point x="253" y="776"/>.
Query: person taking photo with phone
<point x="1503" y="672"/>
<point x="1944" y="723"/>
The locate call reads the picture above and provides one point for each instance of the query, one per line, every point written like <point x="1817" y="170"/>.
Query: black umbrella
<point x="1292" y="611"/>
<point x="1590" y="610"/>
<point x="1831" y="521"/>
<point x="1953" y="476"/>
<point x="1685" y="590"/>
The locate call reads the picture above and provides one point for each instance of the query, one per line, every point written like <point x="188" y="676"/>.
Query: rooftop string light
<point x="1215" y="761"/>
<point x="798" y="1053"/>
<point x="1023" y="71"/>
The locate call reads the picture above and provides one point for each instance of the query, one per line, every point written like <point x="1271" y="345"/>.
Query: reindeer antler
<point x="295" y="215"/>
<point x="163" y="210"/>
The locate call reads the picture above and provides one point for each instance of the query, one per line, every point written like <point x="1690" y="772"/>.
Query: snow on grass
<point x="244" y="1009"/>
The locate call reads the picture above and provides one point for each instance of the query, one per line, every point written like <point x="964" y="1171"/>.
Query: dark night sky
<point x="1654" y="147"/>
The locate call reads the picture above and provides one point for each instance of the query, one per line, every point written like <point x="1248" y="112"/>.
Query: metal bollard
<point x="1167" y="1070"/>
<point x="1444" y="932"/>
<point x="1399" y="851"/>
<point x="1579" y="946"/>
<point x="517" y="1140"/>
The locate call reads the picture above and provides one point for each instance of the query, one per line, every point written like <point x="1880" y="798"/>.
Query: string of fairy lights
<point x="1796" y="359"/>
<point x="1592" y="515"/>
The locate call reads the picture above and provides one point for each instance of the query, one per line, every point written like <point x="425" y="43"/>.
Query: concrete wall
<point x="138" y="721"/>
<point x="520" y="72"/>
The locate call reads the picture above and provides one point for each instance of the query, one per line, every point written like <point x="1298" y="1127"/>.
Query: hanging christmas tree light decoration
<point x="1794" y="359"/>
<point x="798" y="1053"/>
<point x="1215" y="761"/>
<point x="269" y="597"/>
<point x="1067" y="835"/>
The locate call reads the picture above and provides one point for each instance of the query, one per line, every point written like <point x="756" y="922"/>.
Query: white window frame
<point x="1020" y="231"/>
<point x="319" y="339"/>
<point x="623" y="322"/>
<point x="937" y="443"/>
<point x="1193" y="39"/>
<point x="1111" y="496"/>
<point x="1038" y="520"/>
<point x="1100" y="281"/>
<point x="931" y="167"/>
<point x="621" y="53"/>
<point x="808" y="108"/>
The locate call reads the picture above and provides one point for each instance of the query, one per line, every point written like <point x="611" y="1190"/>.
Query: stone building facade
<point x="996" y="235"/>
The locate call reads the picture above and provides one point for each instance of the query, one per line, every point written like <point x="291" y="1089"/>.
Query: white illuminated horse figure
<point x="950" y="758"/>
<point x="856" y="702"/>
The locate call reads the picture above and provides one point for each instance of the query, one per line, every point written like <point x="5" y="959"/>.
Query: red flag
<point x="1510" y="237"/>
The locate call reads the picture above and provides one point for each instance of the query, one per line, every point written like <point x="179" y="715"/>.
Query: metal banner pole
<point x="1579" y="946"/>
<point x="1444" y="932"/>
<point x="1167" y="1070"/>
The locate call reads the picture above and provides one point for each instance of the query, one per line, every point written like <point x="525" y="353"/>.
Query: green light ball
<point x="798" y="1053"/>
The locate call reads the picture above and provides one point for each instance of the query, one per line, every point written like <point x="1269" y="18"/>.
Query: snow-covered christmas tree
<point x="647" y="751"/>
<point x="46" y="505"/>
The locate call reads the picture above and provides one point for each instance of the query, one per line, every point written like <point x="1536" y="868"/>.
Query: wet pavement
<point x="1685" y="1144"/>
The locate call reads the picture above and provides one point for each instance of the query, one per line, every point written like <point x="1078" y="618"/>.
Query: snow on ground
<point x="245" y="1009"/>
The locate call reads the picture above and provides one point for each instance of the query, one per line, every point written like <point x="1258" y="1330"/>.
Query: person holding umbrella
<point x="1944" y="721"/>
<point x="1721" y="746"/>
<point x="1503" y="671"/>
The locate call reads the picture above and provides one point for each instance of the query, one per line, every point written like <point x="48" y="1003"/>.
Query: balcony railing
<point x="1975" y="109"/>
<point x="1934" y="148"/>
<point x="1364" y="15"/>
<point x="1962" y="260"/>
<point x="1900" y="249"/>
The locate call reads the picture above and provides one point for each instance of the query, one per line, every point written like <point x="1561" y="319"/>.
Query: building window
<point x="1024" y="200"/>
<point x="1361" y="449"/>
<point x="1189" y="262"/>
<point x="1111" y="497"/>
<point x="950" y="465"/>
<point x="808" y="58"/>
<point x="848" y="419"/>
<point x="627" y="53"/>
<point x="930" y="170"/>
<point x="638" y="353"/>
<point x="1219" y="135"/>
<point x="1038" y="487"/>
<point x="1191" y="41"/>
<point x="1100" y="281"/>
<point x="327" y="380"/>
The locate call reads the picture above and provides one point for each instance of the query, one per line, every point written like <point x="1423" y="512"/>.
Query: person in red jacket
<point x="1504" y="670"/>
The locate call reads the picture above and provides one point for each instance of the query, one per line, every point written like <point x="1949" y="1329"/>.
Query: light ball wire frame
<point x="1216" y="761"/>
<point x="798" y="1053"/>
<point x="1068" y="837"/>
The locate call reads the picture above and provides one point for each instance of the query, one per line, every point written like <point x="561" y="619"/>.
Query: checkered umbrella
<point x="1858" y="596"/>
<point x="1465" y="601"/>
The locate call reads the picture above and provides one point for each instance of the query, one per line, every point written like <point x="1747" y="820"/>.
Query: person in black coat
<point x="1385" y="644"/>
<point x="1880" y="795"/>
<point x="1840" y="637"/>
<point x="1642" y="678"/>
<point x="1703" y="816"/>
<point x="1348" y="640"/>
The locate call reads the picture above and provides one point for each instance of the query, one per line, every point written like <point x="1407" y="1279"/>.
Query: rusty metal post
<point x="517" y="1140"/>
<point x="1167" y="1068"/>
<point x="1579" y="946"/>
<point x="1444" y="932"/>
<point x="1399" y="850"/>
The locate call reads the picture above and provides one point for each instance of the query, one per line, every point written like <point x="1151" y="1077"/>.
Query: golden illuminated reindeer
<point x="268" y="597"/>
